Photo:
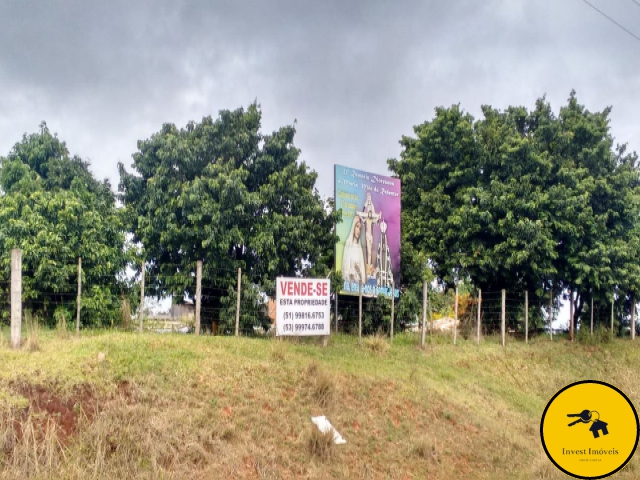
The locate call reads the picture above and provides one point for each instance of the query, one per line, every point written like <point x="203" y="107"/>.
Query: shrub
<point x="321" y="444"/>
<point x="600" y="335"/>
<point x="377" y="344"/>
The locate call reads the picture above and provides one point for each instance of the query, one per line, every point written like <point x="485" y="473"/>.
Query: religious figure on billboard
<point x="353" y="266"/>
<point x="368" y="249"/>
<point x="370" y="217"/>
<point x="384" y="269"/>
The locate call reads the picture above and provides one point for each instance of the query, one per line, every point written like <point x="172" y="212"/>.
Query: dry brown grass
<point x="60" y="316"/>
<point x="323" y="386"/>
<point x="377" y="344"/>
<point x="279" y="352"/>
<point x="427" y="449"/>
<point x="173" y="407"/>
<point x="30" y="447"/>
<point x="324" y="390"/>
<point x="320" y="444"/>
<point x="32" y="342"/>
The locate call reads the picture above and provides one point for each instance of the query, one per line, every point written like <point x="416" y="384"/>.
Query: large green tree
<point x="222" y="192"/>
<point x="522" y="200"/>
<point x="53" y="208"/>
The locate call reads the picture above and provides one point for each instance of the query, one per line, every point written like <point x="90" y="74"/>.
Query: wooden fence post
<point x="479" y="315"/>
<point x="526" y="317"/>
<point x="613" y="300"/>
<point x="424" y="312"/>
<point x="455" y="319"/>
<point x="504" y="316"/>
<point x="592" y="314"/>
<point x="551" y="313"/>
<point x="239" y="292"/>
<point x="633" y="317"/>
<point x="393" y="304"/>
<point x="430" y="313"/>
<point x="360" y="312"/>
<point x="16" y="297"/>
<point x="79" y="297"/>
<point x="198" y="294"/>
<point x="571" y="314"/>
<point x="142" y="295"/>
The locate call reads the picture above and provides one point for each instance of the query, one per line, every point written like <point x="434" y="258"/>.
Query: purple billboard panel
<point x="368" y="249"/>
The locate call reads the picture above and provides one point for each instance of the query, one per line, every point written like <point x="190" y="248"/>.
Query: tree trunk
<point x="578" y="305"/>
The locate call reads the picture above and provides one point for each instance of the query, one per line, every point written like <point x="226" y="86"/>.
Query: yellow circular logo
<point x="589" y="429"/>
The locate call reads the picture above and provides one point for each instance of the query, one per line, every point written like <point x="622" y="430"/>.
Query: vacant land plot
<point x="178" y="406"/>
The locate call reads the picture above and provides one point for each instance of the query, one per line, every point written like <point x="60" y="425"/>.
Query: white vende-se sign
<point x="303" y="306"/>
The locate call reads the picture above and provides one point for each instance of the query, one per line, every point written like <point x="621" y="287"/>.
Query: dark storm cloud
<point x="355" y="74"/>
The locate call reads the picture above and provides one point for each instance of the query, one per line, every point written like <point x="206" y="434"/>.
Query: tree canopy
<point x="222" y="192"/>
<point x="53" y="208"/>
<point x="521" y="199"/>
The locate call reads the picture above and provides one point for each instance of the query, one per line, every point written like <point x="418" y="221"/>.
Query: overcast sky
<point x="356" y="75"/>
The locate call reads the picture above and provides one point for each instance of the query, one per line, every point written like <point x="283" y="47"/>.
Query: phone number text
<point x="303" y="316"/>
<point x="303" y="327"/>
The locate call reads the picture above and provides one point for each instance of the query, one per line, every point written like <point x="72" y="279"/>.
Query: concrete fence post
<point x="239" y="293"/>
<point x="551" y="313"/>
<point x="592" y="314"/>
<point x="142" y="275"/>
<point x="424" y="312"/>
<point x="198" y="294"/>
<point x="613" y="301"/>
<point x="79" y="297"/>
<point x="571" y="335"/>
<point x="479" y="316"/>
<point x="455" y="319"/>
<point x="504" y="316"/>
<point x="633" y="317"/>
<point x="16" y="297"/>
<point x="526" y="317"/>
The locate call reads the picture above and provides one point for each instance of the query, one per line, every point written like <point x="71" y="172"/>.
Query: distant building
<point x="183" y="311"/>
<point x="271" y="310"/>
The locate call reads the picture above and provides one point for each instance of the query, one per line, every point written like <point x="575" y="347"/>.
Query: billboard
<point x="368" y="249"/>
<point x="302" y="306"/>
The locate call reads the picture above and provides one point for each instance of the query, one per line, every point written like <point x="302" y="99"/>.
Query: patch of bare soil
<point x="47" y="406"/>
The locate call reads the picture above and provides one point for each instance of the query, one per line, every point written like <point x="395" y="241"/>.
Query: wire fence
<point x="221" y="300"/>
<point x="5" y="299"/>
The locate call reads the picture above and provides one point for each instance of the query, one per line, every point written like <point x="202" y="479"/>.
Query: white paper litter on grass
<point x="324" y="425"/>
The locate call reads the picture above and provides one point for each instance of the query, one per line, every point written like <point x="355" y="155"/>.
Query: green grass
<point x="179" y="406"/>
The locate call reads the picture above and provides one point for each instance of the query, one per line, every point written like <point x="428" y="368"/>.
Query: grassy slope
<point x="172" y="406"/>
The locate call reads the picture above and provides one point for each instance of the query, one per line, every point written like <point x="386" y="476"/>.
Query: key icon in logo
<point x="588" y="416"/>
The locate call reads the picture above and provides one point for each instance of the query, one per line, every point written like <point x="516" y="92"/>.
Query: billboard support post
<point x="360" y="314"/>
<point x="335" y="315"/>
<point x="393" y="304"/>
